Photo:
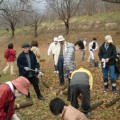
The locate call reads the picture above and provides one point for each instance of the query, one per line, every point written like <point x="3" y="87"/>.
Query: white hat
<point x="55" y="39"/>
<point x="60" y="38"/>
<point x="108" y="38"/>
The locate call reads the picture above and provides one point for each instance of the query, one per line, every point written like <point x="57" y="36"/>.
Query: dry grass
<point x="40" y="109"/>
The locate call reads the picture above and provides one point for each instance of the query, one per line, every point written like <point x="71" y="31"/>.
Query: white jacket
<point x="52" y="48"/>
<point x="91" y="44"/>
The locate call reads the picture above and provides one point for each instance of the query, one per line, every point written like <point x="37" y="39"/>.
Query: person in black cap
<point x="29" y="68"/>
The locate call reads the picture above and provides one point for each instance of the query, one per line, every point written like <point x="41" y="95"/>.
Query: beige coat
<point x="71" y="113"/>
<point x="36" y="51"/>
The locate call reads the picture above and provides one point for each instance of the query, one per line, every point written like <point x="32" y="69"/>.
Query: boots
<point x="114" y="87"/>
<point x="105" y="86"/>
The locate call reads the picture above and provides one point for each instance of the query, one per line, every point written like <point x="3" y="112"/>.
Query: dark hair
<point x="94" y="38"/>
<point x="34" y="43"/>
<point x="10" y="45"/>
<point x="56" y="106"/>
<point x="80" y="44"/>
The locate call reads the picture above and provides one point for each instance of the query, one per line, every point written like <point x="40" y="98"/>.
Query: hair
<point x="56" y="106"/>
<point x="94" y="38"/>
<point x="80" y="44"/>
<point x="34" y="43"/>
<point x="10" y="46"/>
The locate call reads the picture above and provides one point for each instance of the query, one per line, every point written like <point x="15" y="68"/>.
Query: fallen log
<point x="22" y="105"/>
<point x="97" y="104"/>
<point x="112" y="102"/>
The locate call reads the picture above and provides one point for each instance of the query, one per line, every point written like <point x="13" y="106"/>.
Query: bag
<point x="6" y="54"/>
<point x="94" y="45"/>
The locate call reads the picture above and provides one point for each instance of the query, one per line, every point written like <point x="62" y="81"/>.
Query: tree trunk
<point x="66" y="27"/>
<point x="12" y="30"/>
<point x="36" y="33"/>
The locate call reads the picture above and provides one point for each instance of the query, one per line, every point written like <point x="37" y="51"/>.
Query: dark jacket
<point x="110" y="53"/>
<point x="22" y="62"/>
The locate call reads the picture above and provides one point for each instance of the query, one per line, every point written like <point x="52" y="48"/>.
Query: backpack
<point x="6" y="54"/>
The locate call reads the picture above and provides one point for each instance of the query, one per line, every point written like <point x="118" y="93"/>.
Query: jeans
<point x="109" y="72"/>
<point x="60" y="69"/>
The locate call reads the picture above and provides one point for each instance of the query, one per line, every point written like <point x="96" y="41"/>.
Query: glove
<point x="36" y="70"/>
<point x="27" y="68"/>
<point x="15" y="117"/>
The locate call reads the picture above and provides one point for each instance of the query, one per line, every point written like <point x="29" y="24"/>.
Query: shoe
<point x="57" y="72"/>
<point x="115" y="92"/>
<point x="41" y="98"/>
<point x="88" y="114"/>
<point x="105" y="90"/>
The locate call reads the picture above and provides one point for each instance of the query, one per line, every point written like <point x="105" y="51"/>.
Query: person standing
<point x="80" y="85"/>
<point x="29" y="68"/>
<point x="107" y="54"/>
<point x="93" y="46"/>
<point x="52" y="49"/>
<point x="8" y="93"/>
<point x="10" y="55"/>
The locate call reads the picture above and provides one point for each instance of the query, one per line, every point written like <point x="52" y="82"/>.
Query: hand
<point x="107" y="60"/>
<point x="15" y="117"/>
<point x="36" y="70"/>
<point x="27" y="68"/>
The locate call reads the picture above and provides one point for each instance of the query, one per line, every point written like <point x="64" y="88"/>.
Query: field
<point x="40" y="109"/>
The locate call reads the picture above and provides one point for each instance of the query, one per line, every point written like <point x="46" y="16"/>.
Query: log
<point x="22" y="105"/>
<point x="112" y="102"/>
<point x="97" y="104"/>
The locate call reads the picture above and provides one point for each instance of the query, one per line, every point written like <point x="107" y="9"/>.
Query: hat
<point x="108" y="38"/>
<point x="22" y="84"/>
<point x="55" y="39"/>
<point x="25" y="45"/>
<point x="60" y="38"/>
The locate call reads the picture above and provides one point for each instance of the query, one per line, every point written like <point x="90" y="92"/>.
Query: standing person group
<point x="10" y="55"/>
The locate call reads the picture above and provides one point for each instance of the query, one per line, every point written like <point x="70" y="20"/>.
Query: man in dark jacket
<point x="29" y="68"/>
<point x="107" y="55"/>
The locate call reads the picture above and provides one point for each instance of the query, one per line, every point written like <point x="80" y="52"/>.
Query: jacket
<point x="82" y="76"/>
<point x="70" y="113"/>
<point x="7" y="100"/>
<point x="110" y="53"/>
<point x="12" y="55"/>
<point x="36" y="51"/>
<point x="22" y="62"/>
<point x="91" y="45"/>
<point x="69" y="57"/>
<point x="52" y="48"/>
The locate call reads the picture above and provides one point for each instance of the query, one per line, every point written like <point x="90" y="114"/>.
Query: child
<point x="10" y="55"/>
<point x="58" y="107"/>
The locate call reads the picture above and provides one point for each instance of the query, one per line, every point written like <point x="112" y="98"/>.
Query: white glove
<point x="15" y="117"/>
<point x="27" y="68"/>
<point x="104" y="63"/>
<point x="36" y="70"/>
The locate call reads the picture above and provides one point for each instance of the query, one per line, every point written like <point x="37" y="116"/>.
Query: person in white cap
<point x="107" y="54"/>
<point x="52" y="49"/>
<point x="8" y="92"/>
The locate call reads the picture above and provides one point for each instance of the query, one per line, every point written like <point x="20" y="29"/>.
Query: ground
<point x="40" y="109"/>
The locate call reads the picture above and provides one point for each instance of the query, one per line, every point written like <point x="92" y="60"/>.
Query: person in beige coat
<point x="58" y="107"/>
<point x="35" y="50"/>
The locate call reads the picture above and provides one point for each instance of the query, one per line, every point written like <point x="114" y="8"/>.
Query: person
<point x="35" y="50"/>
<point x="80" y="85"/>
<point x="9" y="91"/>
<point x="66" y="112"/>
<point x="10" y="55"/>
<point x="82" y="56"/>
<point x="93" y="46"/>
<point x="107" y="54"/>
<point x="52" y="49"/>
<point x="29" y="68"/>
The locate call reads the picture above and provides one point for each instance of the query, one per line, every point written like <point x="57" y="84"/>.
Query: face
<point x="26" y="50"/>
<point x="77" y="47"/>
<point x="62" y="42"/>
<point x="17" y="93"/>
<point x="107" y="43"/>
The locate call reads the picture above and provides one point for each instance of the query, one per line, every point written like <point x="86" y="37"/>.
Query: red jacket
<point x="12" y="54"/>
<point x="7" y="100"/>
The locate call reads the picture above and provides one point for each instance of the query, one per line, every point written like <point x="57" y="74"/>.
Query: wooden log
<point x="96" y="104"/>
<point x="112" y="102"/>
<point x="23" y="105"/>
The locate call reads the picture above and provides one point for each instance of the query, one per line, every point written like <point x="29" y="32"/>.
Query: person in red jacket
<point x="10" y="55"/>
<point x="8" y="92"/>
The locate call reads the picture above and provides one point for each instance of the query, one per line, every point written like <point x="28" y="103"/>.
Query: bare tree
<point x="65" y="9"/>
<point x="112" y="1"/>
